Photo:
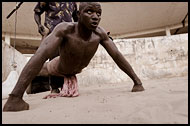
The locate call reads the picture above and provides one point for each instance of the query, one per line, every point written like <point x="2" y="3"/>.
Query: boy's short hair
<point x="83" y="4"/>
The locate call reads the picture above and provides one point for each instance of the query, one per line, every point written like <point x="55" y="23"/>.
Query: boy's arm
<point x="118" y="57"/>
<point x="47" y="48"/>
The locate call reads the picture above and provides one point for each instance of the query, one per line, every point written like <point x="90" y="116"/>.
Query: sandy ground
<point x="165" y="101"/>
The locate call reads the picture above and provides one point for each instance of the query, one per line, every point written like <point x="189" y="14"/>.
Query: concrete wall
<point x="151" y="58"/>
<point x="7" y="59"/>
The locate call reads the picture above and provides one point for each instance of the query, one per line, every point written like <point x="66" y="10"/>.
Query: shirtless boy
<point x="77" y="44"/>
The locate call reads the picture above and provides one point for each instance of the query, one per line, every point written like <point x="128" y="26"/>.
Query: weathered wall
<point x="7" y="59"/>
<point x="151" y="58"/>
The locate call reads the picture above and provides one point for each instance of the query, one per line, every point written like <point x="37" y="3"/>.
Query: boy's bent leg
<point x="15" y="103"/>
<point x="44" y="70"/>
<point x="56" y="82"/>
<point x="53" y="84"/>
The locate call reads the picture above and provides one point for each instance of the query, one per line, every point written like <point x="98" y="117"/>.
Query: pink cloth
<point x="69" y="89"/>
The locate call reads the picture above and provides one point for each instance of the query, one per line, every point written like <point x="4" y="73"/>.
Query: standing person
<point x="55" y="13"/>
<point x="77" y="42"/>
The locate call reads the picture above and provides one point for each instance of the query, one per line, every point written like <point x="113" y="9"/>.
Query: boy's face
<point x="90" y="15"/>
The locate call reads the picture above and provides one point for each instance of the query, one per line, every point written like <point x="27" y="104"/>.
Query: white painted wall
<point x="151" y="58"/>
<point x="7" y="59"/>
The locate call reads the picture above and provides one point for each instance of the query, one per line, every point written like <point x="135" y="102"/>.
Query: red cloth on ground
<point x="70" y="88"/>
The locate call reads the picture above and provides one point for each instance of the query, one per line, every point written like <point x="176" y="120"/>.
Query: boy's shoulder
<point x="101" y="32"/>
<point x="65" y="26"/>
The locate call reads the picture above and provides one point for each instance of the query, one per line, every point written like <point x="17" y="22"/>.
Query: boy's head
<point x="84" y="4"/>
<point x="89" y="14"/>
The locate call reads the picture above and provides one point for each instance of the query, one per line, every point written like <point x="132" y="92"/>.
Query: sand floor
<point x="165" y="101"/>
